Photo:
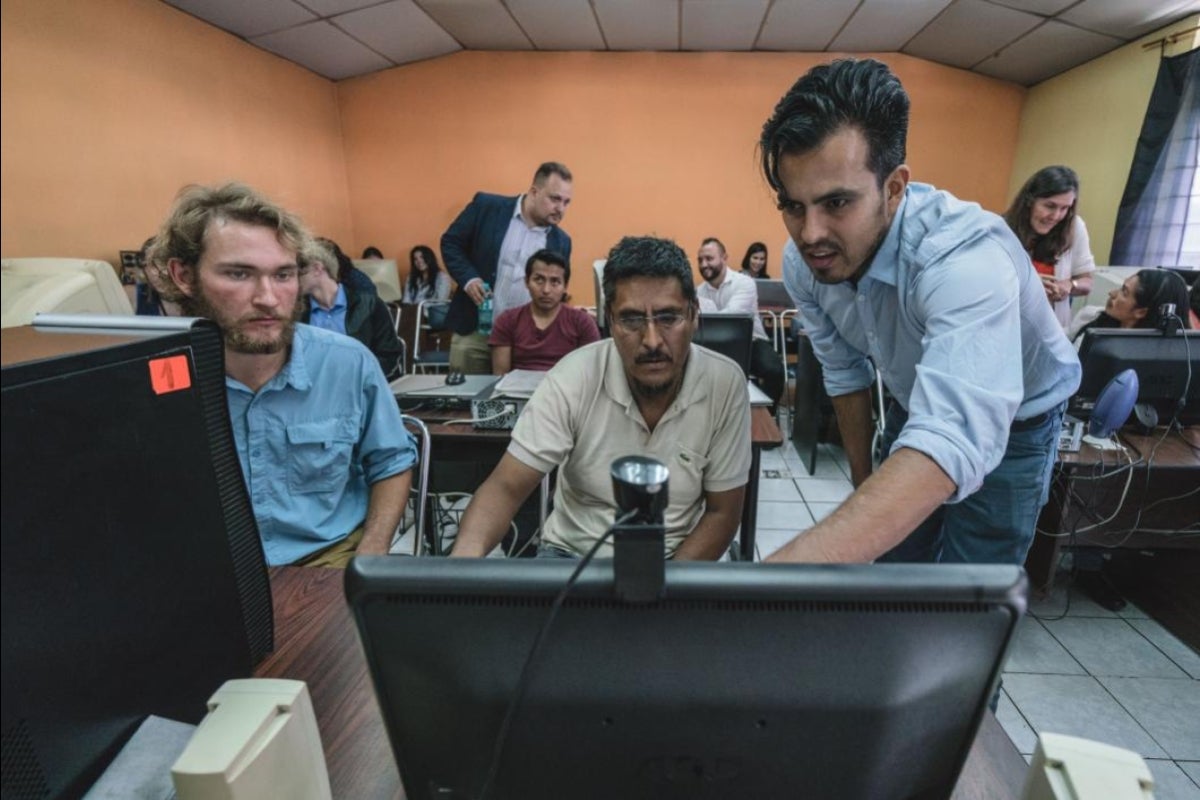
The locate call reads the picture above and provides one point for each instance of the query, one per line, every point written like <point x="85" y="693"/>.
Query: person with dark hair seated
<point x="754" y="263"/>
<point x="1137" y="303"/>
<point x="536" y="335"/>
<point x="341" y="308"/>
<point x="371" y="251"/>
<point x="426" y="279"/>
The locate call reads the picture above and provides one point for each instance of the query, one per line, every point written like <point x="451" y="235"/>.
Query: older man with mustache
<point x="646" y="391"/>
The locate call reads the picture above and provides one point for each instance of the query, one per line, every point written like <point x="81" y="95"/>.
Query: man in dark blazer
<point x="489" y="243"/>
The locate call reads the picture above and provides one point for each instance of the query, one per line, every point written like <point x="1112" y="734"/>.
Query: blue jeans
<point x="995" y="525"/>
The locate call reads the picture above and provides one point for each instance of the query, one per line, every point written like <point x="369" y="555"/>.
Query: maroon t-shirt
<point x="541" y="350"/>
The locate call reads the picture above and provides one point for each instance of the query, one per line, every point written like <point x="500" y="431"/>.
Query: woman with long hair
<point x="426" y="280"/>
<point x="754" y="263"/>
<point x="1043" y="217"/>
<point x="1138" y="303"/>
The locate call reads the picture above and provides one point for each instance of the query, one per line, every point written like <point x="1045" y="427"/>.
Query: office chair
<point x="420" y="481"/>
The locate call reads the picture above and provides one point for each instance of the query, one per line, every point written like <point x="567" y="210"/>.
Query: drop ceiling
<point x="1024" y="41"/>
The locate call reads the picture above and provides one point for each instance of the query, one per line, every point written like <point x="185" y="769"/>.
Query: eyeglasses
<point x="636" y="323"/>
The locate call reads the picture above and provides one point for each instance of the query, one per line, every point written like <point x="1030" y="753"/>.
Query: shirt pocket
<point x="319" y="455"/>
<point x="688" y="463"/>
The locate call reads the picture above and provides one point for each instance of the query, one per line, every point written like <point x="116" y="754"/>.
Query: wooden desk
<point x="1074" y="491"/>
<point x="763" y="432"/>
<point x="316" y="642"/>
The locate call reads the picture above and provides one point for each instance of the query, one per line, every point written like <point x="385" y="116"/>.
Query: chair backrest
<point x="59" y="285"/>
<point x="420" y="479"/>
<point x="598" y="274"/>
<point x="422" y="324"/>
<point x="384" y="274"/>
<point x="731" y="335"/>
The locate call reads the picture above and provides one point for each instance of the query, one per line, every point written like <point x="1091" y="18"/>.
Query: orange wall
<point x="659" y="143"/>
<point x="110" y="107"/>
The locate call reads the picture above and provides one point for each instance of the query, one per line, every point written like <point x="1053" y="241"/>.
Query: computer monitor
<point x="731" y="335"/>
<point x="1162" y="362"/>
<point x="385" y="276"/>
<point x="134" y="581"/>
<point x="745" y="680"/>
<point x="772" y="293"/>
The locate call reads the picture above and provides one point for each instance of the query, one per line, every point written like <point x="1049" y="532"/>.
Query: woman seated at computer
<point x="1044" y="219"/>
<point x="536" y="335"/>
<point x="1137" y="303"/>
<point x="426" y="279"/>
<point x="754" y="263"/>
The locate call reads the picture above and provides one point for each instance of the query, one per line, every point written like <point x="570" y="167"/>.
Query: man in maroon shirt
<point x="539" y="333"/>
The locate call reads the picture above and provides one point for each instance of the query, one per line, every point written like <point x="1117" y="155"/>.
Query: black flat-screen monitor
<point x="745" y="680"/>
<point x="731" y="335"/>
<point x="133" y="576"/>
<point x="1165" y="365"/>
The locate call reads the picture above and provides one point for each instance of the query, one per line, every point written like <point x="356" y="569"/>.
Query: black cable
<point x="535" y="650"/>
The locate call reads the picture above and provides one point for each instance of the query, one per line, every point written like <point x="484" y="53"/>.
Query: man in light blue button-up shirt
<point x="324" y="453"/>
<point x="938" y="295"/>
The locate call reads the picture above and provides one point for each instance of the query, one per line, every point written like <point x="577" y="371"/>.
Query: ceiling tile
<point x="478" y="24"/>
<point x="398" y="30"/>
<point x="324" y="49"/>
<point x="246" y="19"/>
<point x="804" y="25"/>
<point x="638" y="25"/>
<point x="1128" y="20"/>
<point x="558" y="24"/>
<point x="329" y="8"/>
<point x="1046" y="8"/>
<point x="968" y="32"/>
<point x="1045" y="52"/>
<point x="720" y="24"/>
<point x="886" y="25"/>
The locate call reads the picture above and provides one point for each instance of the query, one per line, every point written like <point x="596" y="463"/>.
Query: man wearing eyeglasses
<point x="646" y="391"/>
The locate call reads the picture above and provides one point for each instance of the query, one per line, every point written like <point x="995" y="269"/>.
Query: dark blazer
<point x="368" y="320"/>
<point x="471" y="249"/>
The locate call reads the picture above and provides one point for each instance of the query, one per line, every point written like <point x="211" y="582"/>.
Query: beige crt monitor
<point x="385" y="276"/>
<point x="259" y="740"/>
<point x="1070" y="768"/>
<point x="29" y="286"/>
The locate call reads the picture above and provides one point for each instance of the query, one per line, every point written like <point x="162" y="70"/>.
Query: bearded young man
<point x="941" y="297"/>
<point x="324" y="453"/>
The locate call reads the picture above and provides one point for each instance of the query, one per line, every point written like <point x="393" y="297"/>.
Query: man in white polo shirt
<point x="646" y="391"/>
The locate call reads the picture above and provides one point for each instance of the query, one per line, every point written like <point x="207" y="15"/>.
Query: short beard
<point x="235" y="339"/>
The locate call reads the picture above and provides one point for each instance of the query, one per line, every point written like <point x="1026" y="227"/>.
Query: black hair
<point x="1046" y="182"/>
<point x="371" y="251"/>
<point x="415" y="282"/>
<point x="756" y="247"/>
<point x="550" y="258"/>
<point x="714" y="240"/>
<point x="858" y="93"/>
<point x="549" y="168"/>
<point x="1155" y="288"/>
<point x="646" y="257"/>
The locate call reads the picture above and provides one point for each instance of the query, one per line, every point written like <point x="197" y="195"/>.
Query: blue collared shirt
<point x="954" y="316"/>
<point x="332" y="318"/>
<point x="313" y="440"/>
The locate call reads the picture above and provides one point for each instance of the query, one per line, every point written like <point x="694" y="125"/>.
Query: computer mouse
<point x="455" y="378"/>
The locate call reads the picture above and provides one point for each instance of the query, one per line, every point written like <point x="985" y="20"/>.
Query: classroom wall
<point x="1089" y="118"/>
<point x="659" y="143"/>
<point x="109" y="108"/>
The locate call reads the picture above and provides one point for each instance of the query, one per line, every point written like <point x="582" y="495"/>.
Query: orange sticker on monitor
<point x="169" y="374"/>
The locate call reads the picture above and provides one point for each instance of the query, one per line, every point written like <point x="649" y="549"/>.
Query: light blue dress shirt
<point x="313" y="440"/>
<point x="954" y="316"/>
<point x="333" y="318"/>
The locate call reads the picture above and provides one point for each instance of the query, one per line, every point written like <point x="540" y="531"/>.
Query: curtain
<point x="1159" y="195"/>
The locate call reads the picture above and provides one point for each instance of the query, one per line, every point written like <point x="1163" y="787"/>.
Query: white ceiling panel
<point x="638" y="25"/>
<point x="1126" y="19"/>
<point x="324" y="49"/>
<point x="886" y="25"/>
<point x="398" y="30"/>
<point x="1046" y="51"/>
<point x="720" y="24"/>
<point x="478" y="24"/>
<point x="247" y="19"/>
<point x="329" y="8"/>
<point x="558" y="24"/>
<point x="970" y="31"/>
<point x="1046" y="8"/>
<point x="804" y="24"/>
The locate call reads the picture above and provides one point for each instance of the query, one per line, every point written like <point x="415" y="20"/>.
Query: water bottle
<point x="485" y="312"/>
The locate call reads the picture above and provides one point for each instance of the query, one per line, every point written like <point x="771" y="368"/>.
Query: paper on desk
<point x="519" y="383"/>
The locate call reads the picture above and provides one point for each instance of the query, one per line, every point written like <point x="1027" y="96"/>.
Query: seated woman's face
<point x="419" y="262"/>
<point x="1122" y="303"/>
<point x="757" y="262"/>
<point x="1049" y="211"/>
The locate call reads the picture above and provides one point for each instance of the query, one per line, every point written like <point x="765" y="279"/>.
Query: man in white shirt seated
<point x="728" y="291"/>
<point x="645" y="391"/>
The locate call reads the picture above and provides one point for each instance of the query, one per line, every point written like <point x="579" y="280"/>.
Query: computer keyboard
<point x="1071" y="435"/>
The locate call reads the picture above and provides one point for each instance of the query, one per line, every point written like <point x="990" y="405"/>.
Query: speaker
<point x="1114" y="405"/>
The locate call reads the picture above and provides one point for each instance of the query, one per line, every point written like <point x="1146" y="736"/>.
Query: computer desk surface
<point x="316" y="642"/>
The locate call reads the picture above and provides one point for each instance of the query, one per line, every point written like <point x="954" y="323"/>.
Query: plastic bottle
<point x="485" y="312"/>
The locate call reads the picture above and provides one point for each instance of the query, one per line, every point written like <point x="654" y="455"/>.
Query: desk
<point x="763" y="432"/>
<point x="316" y="642"/>
<point x="1176" y="470"/>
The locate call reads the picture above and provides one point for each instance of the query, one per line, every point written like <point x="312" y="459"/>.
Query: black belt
<point x="1029" y="423"/>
